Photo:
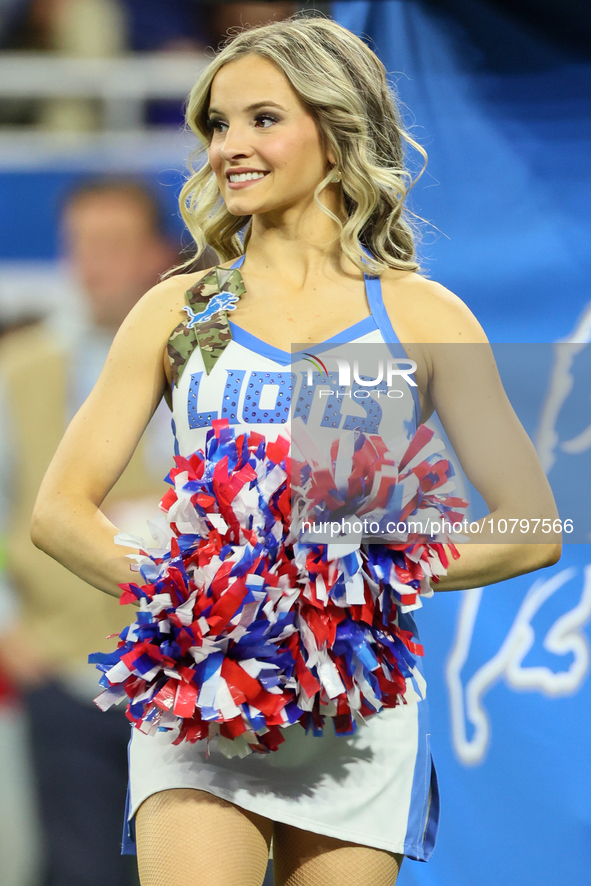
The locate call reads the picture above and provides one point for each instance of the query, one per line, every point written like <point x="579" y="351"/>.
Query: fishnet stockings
<point x="190" y="838"/>
<point x="301" y="858"/>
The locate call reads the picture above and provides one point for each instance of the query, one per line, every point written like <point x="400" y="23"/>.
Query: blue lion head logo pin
<point x="222" y="301"/>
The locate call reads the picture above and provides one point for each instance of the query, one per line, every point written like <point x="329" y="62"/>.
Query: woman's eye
<point x="262" y="121"/>
<point x="215" y="125"/>
<point x="266" y="120"/>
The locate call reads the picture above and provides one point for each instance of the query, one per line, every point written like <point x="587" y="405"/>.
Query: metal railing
<point x="123" y="84"/>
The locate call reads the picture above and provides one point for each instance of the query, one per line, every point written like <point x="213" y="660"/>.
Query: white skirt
<point x="377" y="787"/>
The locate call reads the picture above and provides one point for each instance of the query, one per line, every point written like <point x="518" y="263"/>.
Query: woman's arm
<point x="459" y="379"/>
<point x="499" y="459"/>
<point x="67" y="522"/>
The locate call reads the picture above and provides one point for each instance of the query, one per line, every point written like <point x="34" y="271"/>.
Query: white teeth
<point x="246" y="176"/>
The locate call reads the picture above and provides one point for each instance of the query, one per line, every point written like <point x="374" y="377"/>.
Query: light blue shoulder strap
<point x="373" y="289"/>
<point x="238" y="263"/>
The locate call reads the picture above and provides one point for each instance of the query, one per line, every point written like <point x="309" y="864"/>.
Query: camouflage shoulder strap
<point x="206" y="326"/>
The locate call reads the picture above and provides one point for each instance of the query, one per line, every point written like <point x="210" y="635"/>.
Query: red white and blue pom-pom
<point x="244" y="629"/>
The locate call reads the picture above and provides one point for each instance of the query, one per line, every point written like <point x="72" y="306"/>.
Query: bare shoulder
<point x="160" y="310"/>
<point x="144" y="334"/>
<point x="422" y="310"/>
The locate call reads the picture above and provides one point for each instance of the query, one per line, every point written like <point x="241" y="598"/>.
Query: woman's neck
<point x="297" y="245"/>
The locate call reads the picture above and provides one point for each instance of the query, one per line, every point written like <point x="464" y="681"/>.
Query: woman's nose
<point x="235" y="144"/>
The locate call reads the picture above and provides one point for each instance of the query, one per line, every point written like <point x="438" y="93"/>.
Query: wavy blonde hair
<point x="343" y="85"/>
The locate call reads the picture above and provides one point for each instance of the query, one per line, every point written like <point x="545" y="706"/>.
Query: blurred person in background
<point x="74" y="28"/>
<point x="116" y="247"/>
<point x="232" y="14"/>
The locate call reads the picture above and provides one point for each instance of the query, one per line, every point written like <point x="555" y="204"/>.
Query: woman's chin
<point x="241" y="207"/>
<point x="238" y="212"/>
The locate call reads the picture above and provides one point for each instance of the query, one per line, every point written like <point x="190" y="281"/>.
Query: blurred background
<point x="92" y="156"/>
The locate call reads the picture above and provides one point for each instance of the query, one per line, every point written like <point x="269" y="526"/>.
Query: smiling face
<point x="265" y="148"/>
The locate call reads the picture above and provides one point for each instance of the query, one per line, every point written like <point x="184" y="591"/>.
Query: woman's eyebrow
<point x="253" y="107"/>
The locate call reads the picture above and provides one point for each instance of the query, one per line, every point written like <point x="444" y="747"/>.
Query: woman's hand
<point x="99" y="442"/>
<point x="458" y="378"/>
